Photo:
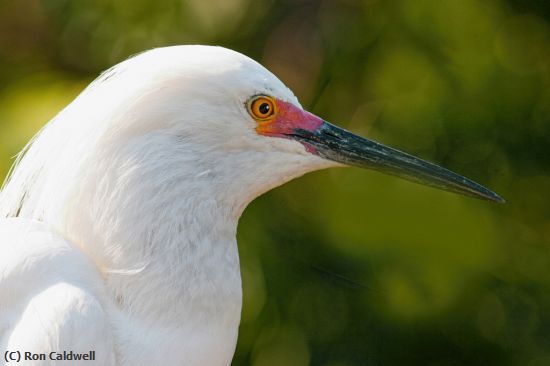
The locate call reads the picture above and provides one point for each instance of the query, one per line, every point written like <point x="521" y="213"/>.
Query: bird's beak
<point x="336" y="144"/>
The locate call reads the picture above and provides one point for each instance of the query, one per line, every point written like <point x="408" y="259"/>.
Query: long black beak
<point x="337" y="144"/>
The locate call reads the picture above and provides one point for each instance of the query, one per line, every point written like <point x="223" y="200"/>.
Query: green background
<point x="349" y="267"/>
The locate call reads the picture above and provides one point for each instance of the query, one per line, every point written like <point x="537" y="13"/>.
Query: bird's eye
<point x="261" y="107"/>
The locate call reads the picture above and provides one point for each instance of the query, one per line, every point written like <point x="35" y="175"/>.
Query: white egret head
<point x="191" y="121"/>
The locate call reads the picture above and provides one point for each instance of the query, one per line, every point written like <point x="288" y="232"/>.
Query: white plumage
<point x="120" y="216"/>
<point x="128" y="204"/>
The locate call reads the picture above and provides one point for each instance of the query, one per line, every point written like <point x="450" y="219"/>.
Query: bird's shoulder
<point x="33" y="250"/>
<point x="51" y="294"/>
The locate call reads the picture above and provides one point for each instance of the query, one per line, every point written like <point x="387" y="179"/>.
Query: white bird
<point x="120" y="216"/>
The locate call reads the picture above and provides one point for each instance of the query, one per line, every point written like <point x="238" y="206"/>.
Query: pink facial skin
<point x="286" y="120"/>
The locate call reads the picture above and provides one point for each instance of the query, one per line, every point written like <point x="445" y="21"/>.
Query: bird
<point x="118" y="219"/>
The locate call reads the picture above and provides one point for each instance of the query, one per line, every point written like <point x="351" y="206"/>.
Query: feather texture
<point x="135" y="190"/>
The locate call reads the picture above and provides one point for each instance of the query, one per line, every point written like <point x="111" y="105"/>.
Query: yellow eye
<point x="261" y="107"/>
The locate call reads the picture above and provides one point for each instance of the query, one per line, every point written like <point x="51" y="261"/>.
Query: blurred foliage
<point x="348" y="267"/>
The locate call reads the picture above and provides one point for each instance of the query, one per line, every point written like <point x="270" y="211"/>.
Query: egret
<point x="119" y="217"/>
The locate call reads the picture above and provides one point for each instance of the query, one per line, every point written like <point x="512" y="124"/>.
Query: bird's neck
<point x="181" y="288"/>
<point x="165" y="243"/>
<point x="186" y="267"/>
<point x="176" y="281"/>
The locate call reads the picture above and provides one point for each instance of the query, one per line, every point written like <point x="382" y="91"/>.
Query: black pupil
<point x="264" y="108"/>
